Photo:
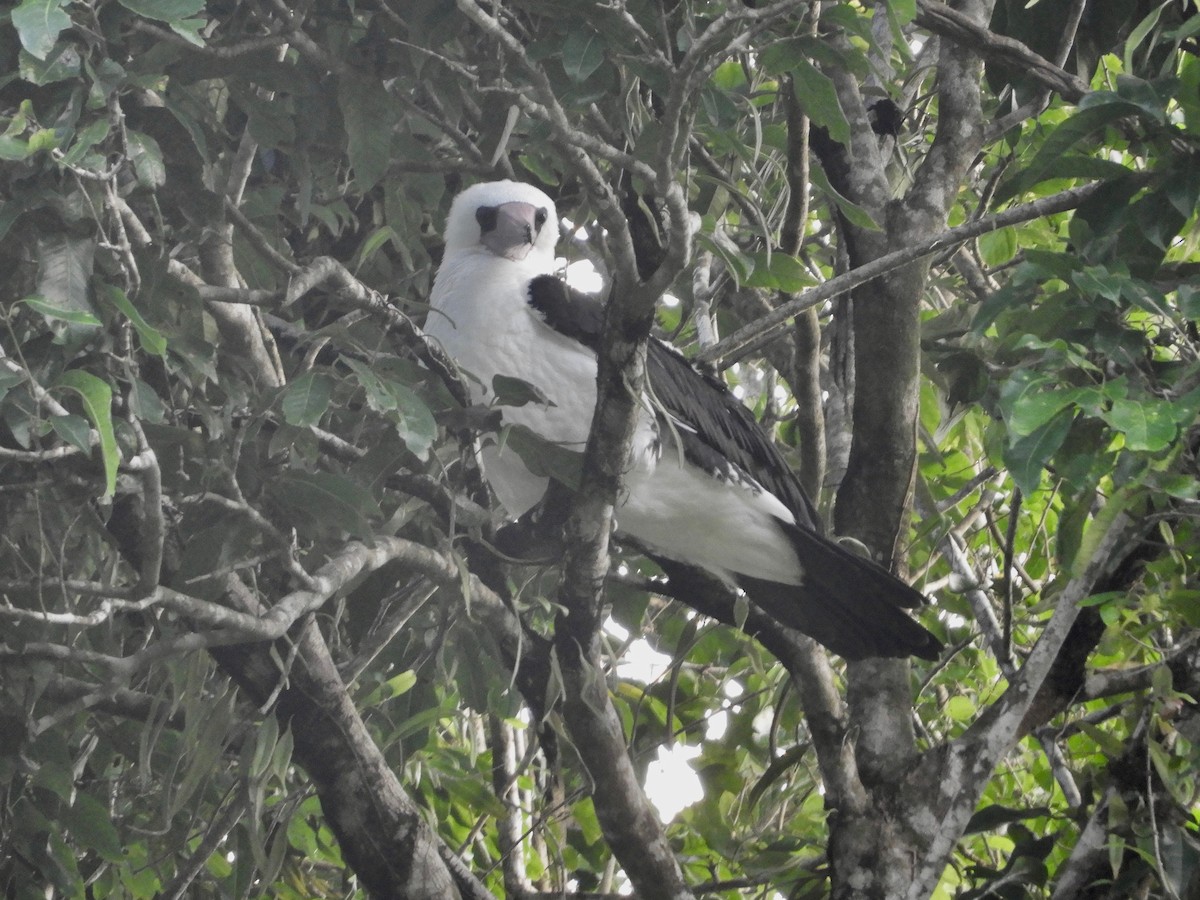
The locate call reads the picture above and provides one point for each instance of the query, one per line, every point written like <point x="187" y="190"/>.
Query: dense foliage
<point x="255" y="639"/>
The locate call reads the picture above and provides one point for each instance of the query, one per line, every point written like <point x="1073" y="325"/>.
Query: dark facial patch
<point x="539" y="218"/>
<point x="486" y="216"/>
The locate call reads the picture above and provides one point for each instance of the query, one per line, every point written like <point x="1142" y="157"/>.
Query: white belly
<point x="690" y="516"/>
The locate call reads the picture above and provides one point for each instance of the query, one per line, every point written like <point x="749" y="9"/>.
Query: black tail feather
<point x="847" y="603"/>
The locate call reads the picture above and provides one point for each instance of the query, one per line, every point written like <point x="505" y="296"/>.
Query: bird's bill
<point x="514" y="231"/>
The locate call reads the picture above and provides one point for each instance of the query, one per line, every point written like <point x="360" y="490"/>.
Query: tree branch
<point x="1089" y="854"/>
<point x="962" y="768"/>
<point x="750" y="337"/>
<point x="942" y="19"/>
<point x="382" y="833"/>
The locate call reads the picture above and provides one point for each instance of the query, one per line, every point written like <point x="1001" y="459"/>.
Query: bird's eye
<point x="486" y="217"/>
<point x="539" y="218"/>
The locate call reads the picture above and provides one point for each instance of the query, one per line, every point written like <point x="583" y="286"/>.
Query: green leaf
<point x="1145" y="95"/>
<point x="149" y="337"/>
<point x="1148" y="425"/>
<point x="189" y="30"/>
<point x="39" y="23"/>
<point x="326" y="499"/>
<point x="1097" y="110"/>
<point x="542" y="457"/>
<point x="1101" y="523"/>
<point x="9" y="380"/>
<point x="780" y="272"/>
<point x="65" y="265"/>
<point x="378" y="397"/>
<point x="54" y="765"/>
<point x="145" y="403"/>
<point x="272" y="122"/>
<point x="998" y="247"/>
<point x="91" y="826"/>
<point x="1104" y="597"/>
<point x="395" y="686"/>
<point x="583" y="815"/>
<point x="783" y="56"/>
<point x="791" y="273"/>
<point x="1035" y="407"/>
<point x="43" y="140"/>
<point x="739" y="264"/>
<point x="107" y="76"/>
<point x="97" y="402"/>
<point x="817" y="96"/>
<point x="1100" y="281"/>
<point x="960" y="708"/>
<point x="1027" y="457"/>
<point x="854" y="213"/>
<point x="265" y="738"/>
<point x="1029" y="401"/>
<point x="901" y="12"/>
<point x="306" y="399"/>
<point x="63" y="62"/>
<point x="54" y="312"/>
<point x="583" y="54"/>
<point x="13" y="150"/>
<point x="512" y="391"/>
<point x="1186" y="408"/>
<point x="147" y="160"/>
<point x="165" y="10"/>
<point x="993" y="817"/>
<point x="414" y="421"/>
<point x="73" y="429"/>
<point x="1185" y="603"/>
<point x="87" y="138"/>
<point x="205" y="738"/>
<point x="370" y="115"/>
<point x="417" y="427"/>
<point x="729" y="76"/>
<point x="371" y="245"/>
<point x="1139" y="34"/>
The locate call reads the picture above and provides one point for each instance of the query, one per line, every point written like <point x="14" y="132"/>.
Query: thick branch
<point x="1088" y="856"/>
<point x="382" y="833"/>
<point x="941" y="19"/>
<point x="959" y="130"/>
<point x="629" y="822"/>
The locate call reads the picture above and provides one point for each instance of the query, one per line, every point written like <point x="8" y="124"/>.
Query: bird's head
<point x="505" y="218"/>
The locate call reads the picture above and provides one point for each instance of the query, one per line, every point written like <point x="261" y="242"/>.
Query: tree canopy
<point x="262" y="632"/>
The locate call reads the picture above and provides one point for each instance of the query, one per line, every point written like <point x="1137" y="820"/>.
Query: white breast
<point x="500" y="334"/>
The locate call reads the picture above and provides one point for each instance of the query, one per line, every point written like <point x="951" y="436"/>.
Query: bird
<point x="704" y="486"/>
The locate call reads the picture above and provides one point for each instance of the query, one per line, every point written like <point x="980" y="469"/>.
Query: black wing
<point x="716" y="431"/>
<point x="719" y="434"/>
<point x="571" y="313"/>
<point x="848" y="603"/>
